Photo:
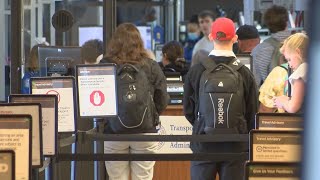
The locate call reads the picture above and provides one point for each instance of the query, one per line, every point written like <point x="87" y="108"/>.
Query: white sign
<point x="34" y="111"/>
<point x="174" y="125"/>
<point x="63" y="88"/>
<point x="97" y="90"/>
<point x="14" y="135"/>
<point x="49" y="119"/>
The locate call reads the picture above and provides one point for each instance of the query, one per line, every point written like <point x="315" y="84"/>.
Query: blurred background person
<point x="193" y="36"/>
<point x="248" y="39"/>
<point x="31" y="69"/>
<point x="205" y="20"/>
<point x="172" y="58"/>
<point x="276" y="19"/>
<point x="92" y="51"/>
<point x="150" y="19"/>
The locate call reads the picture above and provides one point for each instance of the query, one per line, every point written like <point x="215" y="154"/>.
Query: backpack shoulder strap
<point x="273" y="42"/>
<point x="127" y="65"/>
<point x="235" y="64"/>
<point x="275" y="61"/>
<point x="284" y="66"/>
<point x="208" y="63"/>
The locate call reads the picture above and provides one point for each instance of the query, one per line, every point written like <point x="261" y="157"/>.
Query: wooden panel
<point x="172" y="170"/>
<point x="173" y="110"/>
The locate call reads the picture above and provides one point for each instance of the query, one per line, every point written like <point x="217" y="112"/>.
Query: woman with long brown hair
<point x="126" y="47"/>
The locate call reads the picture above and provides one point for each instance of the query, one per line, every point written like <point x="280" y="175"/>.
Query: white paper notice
<point x="33" y="110"/>
<point x="63" y="88"/>
<point x="97" y="91"/>
<point x="49" y="128"/>
<point x="17" y="140"/>
<point x="48" y="131"/>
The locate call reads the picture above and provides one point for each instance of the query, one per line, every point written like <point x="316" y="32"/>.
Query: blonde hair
<point x="294" y="42"/>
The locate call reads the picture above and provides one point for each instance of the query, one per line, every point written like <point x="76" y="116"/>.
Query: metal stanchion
<point x="99" y="149"/>
<point x="35" y="174"/>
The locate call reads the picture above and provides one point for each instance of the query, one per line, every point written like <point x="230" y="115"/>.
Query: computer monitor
<point x="245" y="59"/>
<point x="58" y="61"/>
<point x="90" y="32"/>
<point x="146" y="35"/>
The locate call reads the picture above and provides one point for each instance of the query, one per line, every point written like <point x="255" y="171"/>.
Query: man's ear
<point x="234" y="39"/>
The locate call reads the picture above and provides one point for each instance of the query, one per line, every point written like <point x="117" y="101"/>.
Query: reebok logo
<point x="220" y="84"/>
<point x="220" y="110"/>
<point x="235" y="63"/>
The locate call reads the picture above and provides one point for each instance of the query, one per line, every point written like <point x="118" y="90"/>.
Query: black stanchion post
<point x="101" y="171"/>
<point x="35" y="174"/>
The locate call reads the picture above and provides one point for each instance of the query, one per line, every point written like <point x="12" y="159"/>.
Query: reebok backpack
<point x="221" y="98"/>
<point x="135" y="101"/>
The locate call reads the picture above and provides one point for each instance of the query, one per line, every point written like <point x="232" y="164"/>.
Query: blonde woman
<point x="294" y="50"/>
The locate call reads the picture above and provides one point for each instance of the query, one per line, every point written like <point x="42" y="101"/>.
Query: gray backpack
<point x="277" y="57"/>
<point x="221" y="98"/>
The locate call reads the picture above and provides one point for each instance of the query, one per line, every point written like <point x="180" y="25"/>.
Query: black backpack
<point x="136" y="109"/>
<point x="221" y="98"/>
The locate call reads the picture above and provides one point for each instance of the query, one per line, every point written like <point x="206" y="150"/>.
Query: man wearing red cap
<point x="220" y="97"/>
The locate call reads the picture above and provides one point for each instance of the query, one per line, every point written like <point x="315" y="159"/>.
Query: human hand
<point x="280" y="101"/>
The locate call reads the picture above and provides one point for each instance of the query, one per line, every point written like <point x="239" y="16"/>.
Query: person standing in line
<point x="92" y="51"/>
<point x="205" y="20"/>
<point x="276" y="19"/>
<point x="126" y="48"/>
<point x="193" y="36"/>
<point x="243" y="106"/>
<point x="248" y="39"/>
<point x="172" y="58"/>
<point x="294" y="49"/>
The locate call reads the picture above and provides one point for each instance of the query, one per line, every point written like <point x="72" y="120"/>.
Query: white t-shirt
<point x="299" y="73"/>
<point x="204" y="43"/>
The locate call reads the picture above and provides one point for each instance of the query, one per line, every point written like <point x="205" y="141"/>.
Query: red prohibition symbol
<point x="97" y="98"/>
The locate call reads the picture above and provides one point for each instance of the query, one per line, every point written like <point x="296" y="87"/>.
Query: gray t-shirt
<point x="204" y="44"/>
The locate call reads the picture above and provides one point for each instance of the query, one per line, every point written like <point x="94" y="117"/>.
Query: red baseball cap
<point x="222" y="29"/>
